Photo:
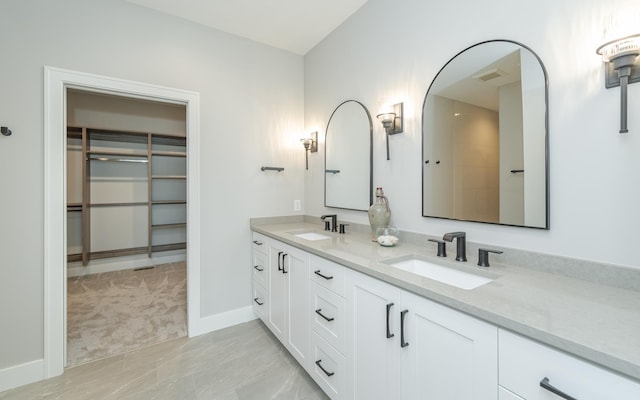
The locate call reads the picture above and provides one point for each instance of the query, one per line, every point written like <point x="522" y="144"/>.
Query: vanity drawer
<point x="328" y="274"/>
<point x="328" y="368"/>
<point x="259" y="242"/>
<point x="523" y="364"/>
<point x="259" y="267"/>
<point x="259" y="300"/>
<point x="328" y="316"/>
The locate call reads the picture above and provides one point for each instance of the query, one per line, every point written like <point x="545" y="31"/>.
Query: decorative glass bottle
<point x="379" y="213"/>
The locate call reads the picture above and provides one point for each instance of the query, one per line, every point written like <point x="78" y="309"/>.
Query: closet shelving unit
<point x="165" y="179"/>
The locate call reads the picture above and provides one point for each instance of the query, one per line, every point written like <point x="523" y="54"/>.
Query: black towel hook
<point x="5" y="131"/>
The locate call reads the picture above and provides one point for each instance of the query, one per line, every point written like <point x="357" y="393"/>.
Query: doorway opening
<point x="126" y="224"/>
<point x="57" y="83"/>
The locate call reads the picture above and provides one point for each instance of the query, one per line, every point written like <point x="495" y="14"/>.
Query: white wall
<point x="251" y="99"/>
<point x="390" y="51"/>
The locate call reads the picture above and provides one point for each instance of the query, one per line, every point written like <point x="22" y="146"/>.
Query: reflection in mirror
<point x="485" y="139"/>
<point x="348" y="157"/>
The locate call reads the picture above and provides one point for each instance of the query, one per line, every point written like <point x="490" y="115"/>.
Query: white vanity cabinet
<point x="403" y="346"/>
<point x="361" y="338"/>
<point x="525" y="363"/>
<point x="260" y="270"/>
<point x="288" y="298"/>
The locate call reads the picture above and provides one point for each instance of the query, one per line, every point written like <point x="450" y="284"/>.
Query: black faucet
<point x="461" y="244"/>
<point x="334" y="222"/>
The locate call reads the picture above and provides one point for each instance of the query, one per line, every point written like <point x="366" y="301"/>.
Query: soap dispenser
<point x="379" y="213"/>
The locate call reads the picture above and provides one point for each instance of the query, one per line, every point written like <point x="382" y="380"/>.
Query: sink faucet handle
<point x="442" y="247"/>
<point x="342" y="227"/>
<point x="483" y="256"/>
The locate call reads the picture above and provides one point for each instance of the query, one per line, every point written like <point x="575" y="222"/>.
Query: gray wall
<point x="251" y="99"/>
<point x="390" y="51"/>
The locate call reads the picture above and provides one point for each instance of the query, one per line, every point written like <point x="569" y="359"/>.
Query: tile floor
<point x="243" y="362"/>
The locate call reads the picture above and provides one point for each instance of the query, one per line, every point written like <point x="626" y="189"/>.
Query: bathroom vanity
<point x="366" y="329"/>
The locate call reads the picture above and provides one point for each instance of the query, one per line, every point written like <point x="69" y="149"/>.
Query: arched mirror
<point x="485" y="138"/>
<point x="348" y="157"/>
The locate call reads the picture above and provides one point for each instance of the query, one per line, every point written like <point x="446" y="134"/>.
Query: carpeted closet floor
<point x="117" y="312"/>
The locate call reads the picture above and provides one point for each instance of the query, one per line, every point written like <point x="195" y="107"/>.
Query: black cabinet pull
<point x="319" y="312"/>
<point x="544" y="383"/>
<point x="402" y="342"/>
<point x="279" y="262"/>
<point x="259" y="269"/>
<point x="324" y="370"/>
<point x="283" y="256"/>
<point x="257" y="302"/>
<point x="259" y="243"/>
<point x="389" y="334"/>
<point x="323" y="276"/>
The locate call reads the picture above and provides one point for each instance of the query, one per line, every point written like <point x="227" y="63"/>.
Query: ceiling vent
<point x="490" y="74"/>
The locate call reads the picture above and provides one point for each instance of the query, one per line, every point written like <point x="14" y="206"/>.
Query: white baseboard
<point x="223" y="320"/>
<point x="122" y="263"/>
<point x="22" y="374"/>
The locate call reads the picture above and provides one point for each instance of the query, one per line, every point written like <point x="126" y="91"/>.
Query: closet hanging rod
<point x="272" y="169"/>
<point x="133" y="160"/>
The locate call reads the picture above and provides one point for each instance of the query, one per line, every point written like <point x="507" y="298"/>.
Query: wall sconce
<point x="620" y="57"/>
<point x="310" y="145"/>
<point x="393" y="122"/>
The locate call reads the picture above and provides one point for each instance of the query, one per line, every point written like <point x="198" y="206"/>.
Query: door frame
<point x="56" y="81"/>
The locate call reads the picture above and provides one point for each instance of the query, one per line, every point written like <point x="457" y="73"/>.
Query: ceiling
<point x="293" y="25"/>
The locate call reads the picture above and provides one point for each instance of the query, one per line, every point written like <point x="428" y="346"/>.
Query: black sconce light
<point x="393" y="122"/>
<point x="621" y="68"/>
<point x="310" y="145"/>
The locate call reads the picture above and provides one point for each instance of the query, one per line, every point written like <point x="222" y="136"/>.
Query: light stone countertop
<point x="596" y="322"/>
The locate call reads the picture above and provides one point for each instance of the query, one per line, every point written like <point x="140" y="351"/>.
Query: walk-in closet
<point x="126" y="224"/>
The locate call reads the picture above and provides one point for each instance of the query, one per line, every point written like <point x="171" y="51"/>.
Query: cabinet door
<point x="450" y="355"/>
<point x="277" y="303"/>
<point x="373" y="350"/>
<point x="296" y="275"/>
<point x="525" y="363"/>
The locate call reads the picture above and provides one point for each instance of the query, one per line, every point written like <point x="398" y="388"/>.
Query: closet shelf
<point x="130" y="204"/>
<point x="169" y="247"/>
<point x="169" y="153"/>
<point x="169" y="226"/>
<point x="118" y="153"/>
<point x="167" y="202"/>
<point x="169" y="177"/>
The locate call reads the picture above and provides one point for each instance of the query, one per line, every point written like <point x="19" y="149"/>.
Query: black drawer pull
<point x="283" y="256"/>
<point x="258" y="269"/>
<point x="257" y="302"/>
<point x="319" y="312"/>
<point x="280" y="258"/>
<point x="544" y="383"/>
<point x="389" y="334"/>
<point x="323" y="276"/>
<point x="402" y="342"/>
<point x="324" y="370"/>
<point x="259" y="243"/>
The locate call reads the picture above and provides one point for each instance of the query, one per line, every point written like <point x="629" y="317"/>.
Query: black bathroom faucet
<point x="461" y="244"/>
<point x="334" y="222"/>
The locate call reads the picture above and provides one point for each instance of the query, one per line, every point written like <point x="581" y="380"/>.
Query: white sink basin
<point x="450" y="276"/>
<point x="311" y="236"/>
